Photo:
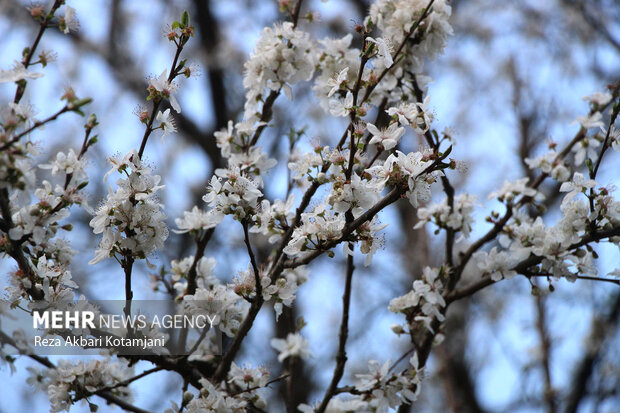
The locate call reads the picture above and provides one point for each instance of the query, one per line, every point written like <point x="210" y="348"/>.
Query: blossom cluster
<point x="282" y="57"/>
<point x="458" y="218"/>
<point x="131" y="219"/>
<point x="69" y="380"/>
<point x="346" y="186"/>
<point x="379" y="390"/>
<point x="425" y="301"/>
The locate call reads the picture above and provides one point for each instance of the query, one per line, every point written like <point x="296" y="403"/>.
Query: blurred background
<point x="511" y="80"/>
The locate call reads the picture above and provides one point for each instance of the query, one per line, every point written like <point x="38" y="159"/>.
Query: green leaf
<point x="185" y="18"/>
<point x="83" y="102"/>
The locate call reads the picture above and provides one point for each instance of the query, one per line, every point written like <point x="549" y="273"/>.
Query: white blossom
<point x="341" y="108"/>
<point x="599" y="98"/>
<point x="578" y="185"/>
<point x="388" y="137"/>
<point x="166" y="88"/>
<point x="166" y="123"/>
<point x="590" y="121"/>
<point x="295" y="345"/>
<point x="383" y="51"/>
<point x="18" y="73"/>
<point x="69" y="22"/>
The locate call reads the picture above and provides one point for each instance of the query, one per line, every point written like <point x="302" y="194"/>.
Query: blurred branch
<point x="595" y="24"/>
<point x="602" y="326"/>
<point x="209" y="31"/>
<point x="545" y="345"/>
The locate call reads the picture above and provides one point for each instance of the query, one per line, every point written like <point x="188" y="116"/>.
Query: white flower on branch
<point x="317" y="227"/>
<point x="338" y="405"/>
<point x="295" y="345"/>
<point x="510" y="190"/>
<point x="387" y="137"/>
<point x="69" y="22"/>
<point x="18" y="73"/>
<point x="586" y="149"/>
<point x="394" y="18"/>
<point x="577" y="186"/>
<point x="282" y="57"/>
<point x="232" y="193"/>
<point x="166" y="123"/>
<point x="165" y="88"/>
<point x="594" y="120"/>
<point x="131" y="219"/>
<point x="283" y="290"/>
<point x="341" y="108"/>
<point x="425" y="297"/>
<point x="406" y="112"/>
<point x="220" y="301"/>
<point x="384" y="51"/>
<point x="547" y="164"/>
<point x="499" y="264"/>
<point x="68" y="164"/>
<point x="248" y="378"/>
<point x="215" y="399"/>
<point x="337" y="81"/>
<point x="460" y="219"/>
<point x="197" y="219"/>
<point x="271" y="220"/>
<point x="599" y="98"/>
<point x="25" y="111"/>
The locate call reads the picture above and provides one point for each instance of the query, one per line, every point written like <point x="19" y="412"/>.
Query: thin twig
<point x="43" y="25"/>
<point x="35" y="125"/>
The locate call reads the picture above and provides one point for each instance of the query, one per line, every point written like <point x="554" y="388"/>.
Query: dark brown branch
<point x="246" y="325"/>
<point x="295" y="16"/>
<point x="14" y="248"/>
<point x="257" y="280"/>
<point x="123" y="383"/>
<point x="341" y="356"/>
<point x="606" y="145"/>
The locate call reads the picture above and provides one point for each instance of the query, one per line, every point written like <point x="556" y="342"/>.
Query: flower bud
<point x="187" y="396"/>
<point x="397" y="329"/>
